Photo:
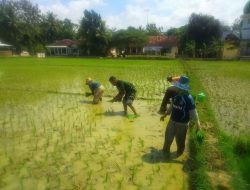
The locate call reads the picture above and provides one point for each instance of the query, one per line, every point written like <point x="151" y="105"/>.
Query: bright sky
<point x="166" y="13"/>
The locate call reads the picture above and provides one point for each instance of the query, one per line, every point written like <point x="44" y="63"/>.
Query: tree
<point x="68" y="29"/>
<point x="190" y="48"/>
<point x="181" y="34"/>
<point x="51" y="28"/>
<point x="172" y="31"/>
<point x="93" y="34"/>
<point x="19" y="20"/>
<point x="203" y="30"/>
<point x="129" y="38"/>
<point x="247" y="8"/>
<point x="23" y="26"/>
<point x="215" y="49"/>
<point x="152" y="30"/>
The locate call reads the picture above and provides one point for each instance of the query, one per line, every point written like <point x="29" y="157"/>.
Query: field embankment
<point x="226" y="117"/>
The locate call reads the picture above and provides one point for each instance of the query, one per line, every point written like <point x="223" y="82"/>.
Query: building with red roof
<point x="161" y="46"/>
<point x="65" y="47"/>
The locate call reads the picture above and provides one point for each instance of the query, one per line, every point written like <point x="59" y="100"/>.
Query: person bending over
<point x="97" y="90"/>
<point x="126" y="93"/>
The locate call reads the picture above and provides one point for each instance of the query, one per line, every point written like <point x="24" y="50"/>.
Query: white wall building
<point x="245" y="36"/>
<point x="245" y="29"/>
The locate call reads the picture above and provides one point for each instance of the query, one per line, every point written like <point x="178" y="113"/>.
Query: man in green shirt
<point x="127" y="93"/>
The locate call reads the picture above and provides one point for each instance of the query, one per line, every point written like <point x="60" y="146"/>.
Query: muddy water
<point x="65" y="142"/>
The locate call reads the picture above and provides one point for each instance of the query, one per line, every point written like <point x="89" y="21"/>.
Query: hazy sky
<point x="123" y="13"/>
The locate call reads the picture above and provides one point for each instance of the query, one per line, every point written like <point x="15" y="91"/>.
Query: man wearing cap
<point x="127" y="93"/>
<point x="97" y="90"/>
<point x="170" y="93"/>
<point x="181" y="111"/>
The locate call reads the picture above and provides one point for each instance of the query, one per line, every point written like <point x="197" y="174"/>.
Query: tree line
<point x="26" y="28"/>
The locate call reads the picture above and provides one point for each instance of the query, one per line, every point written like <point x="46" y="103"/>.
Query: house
<point x="245" y="35"/>
<point x="161" y="46"/>
<point x="5" y="49"/>
<point x="230" y="46"/>
<point x="64" y="47"/>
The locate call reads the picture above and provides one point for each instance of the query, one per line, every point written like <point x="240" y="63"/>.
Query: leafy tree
<point x="23" y="26"/>
<point x="215" y="49"/>
<point x="19" y="20"/>
<point x="152" y="30"/>
<point x="182" y="38"/>
<point x="68" y="29"/>
<point x="172" y="31"/>
<point x="131" y="37"/>
<point x="51" y="28"/>
<point x="190" y="48"/>
<point x="93" y="34"/>
<point x="203" y="30"/>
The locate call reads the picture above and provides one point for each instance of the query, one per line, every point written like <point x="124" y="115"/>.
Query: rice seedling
<point x="150" y="180"/>
<point x="125" y="157"/>
<point x="156" y="169"/>
<point x="106" y="178"/>
<point x="119" y="182"/>
<point x="141" y="143"/>
<point x="133" y="171"/>
<point x="21" y="183"/>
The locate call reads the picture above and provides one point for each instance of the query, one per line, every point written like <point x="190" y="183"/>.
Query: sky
<point x="165" y="13"/>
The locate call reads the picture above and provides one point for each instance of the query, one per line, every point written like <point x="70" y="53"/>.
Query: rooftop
<point x="163" y="41"/>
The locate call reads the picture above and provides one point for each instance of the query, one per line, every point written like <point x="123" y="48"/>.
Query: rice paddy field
<point x="52" y="137"/>
<point x="228" y="86"/>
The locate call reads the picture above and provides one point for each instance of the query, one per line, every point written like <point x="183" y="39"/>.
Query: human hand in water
<point x="87" y="94"/>
<point x="162" y="118"/>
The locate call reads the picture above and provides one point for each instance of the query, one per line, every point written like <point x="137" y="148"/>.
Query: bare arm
<point x="195" y="117"/>
<point x="168" y="112"/>
<point x="121" y="93"/>
<point x="119" y="96"/>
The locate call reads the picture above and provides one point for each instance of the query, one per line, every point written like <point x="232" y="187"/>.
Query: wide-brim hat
<point x="181" y="86"/>
<point x="182" y="83"/>
<point x="88" y="80"/>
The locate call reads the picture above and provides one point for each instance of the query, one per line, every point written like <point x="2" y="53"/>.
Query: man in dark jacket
<point x="127" y="93"/>
<point x="181" y="111"/>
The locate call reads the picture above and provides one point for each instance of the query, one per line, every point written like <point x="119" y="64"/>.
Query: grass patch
<point x="242" y="145"/>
